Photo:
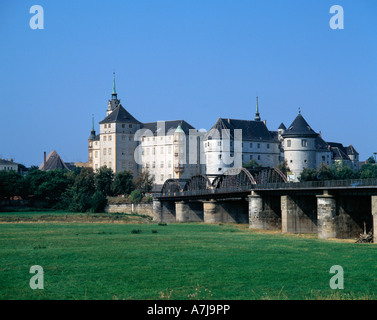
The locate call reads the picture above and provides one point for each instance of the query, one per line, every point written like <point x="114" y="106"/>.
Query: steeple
<point x="257" y="117"/>
<point x="114" y="94"/>
<point x="93" y="132"/>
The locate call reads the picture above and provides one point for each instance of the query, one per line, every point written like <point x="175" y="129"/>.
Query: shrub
<point x="136" y="196"/>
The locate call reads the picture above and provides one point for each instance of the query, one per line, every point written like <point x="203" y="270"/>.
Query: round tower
<point x="299" y="146"/>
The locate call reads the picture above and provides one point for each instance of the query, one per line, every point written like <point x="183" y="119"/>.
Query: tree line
<point x="79" y="190"/>
<point x="340" y="172"/>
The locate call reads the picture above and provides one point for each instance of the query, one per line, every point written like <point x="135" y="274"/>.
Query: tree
<point x="11" y="184"/>
<point x="103" y="180"/>
<point x="308" y="175"/>
<point x="325" y="173"/>
<point x="371" y="160"/>
<point x="144" y="182"/>
<point x="123" y="183"/>
<point x="99" y="201"/>
<point x="368" y="171"/>
<point x="78" y="197"/>
<point x="252" y="164"/>
<point x="344" y="172"/>
<point x="283" y="167"/>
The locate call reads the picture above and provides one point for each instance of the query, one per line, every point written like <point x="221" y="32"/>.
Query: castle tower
<point x="299" y="146"/>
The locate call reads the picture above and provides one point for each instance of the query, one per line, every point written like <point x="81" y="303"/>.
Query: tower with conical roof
<point x="299" y="143"/>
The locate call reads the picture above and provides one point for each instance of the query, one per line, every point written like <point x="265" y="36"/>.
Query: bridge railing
<point x="354" y="183"/>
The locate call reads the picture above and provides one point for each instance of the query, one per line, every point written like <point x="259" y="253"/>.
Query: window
<point x="258" y="157"/>
<point x="104" y="138"/>
<point x="109" y="125"/>
<point x="123" y="125"/>
<point x="169" y="164"/>
<point x="323" y="158"/>
<point x="289" y="144"/>
<point x="162" y="164"/>
<point x="109" y="164"/>
<point x="123" y="138"/>
<point x="251" y="157"/>
<point x="104" y="163"/>
<point x="104" y="151"/>
<point x="96" y="154"/>
<point x="153" y="164"/>
<point x="258" y="145"/>
<point x="304" y="143"/>
<point x="268" y="146"/>
<point x="105" y="126"/>
<point x="109" y="151"/>
<point x="130" y="126"/>
<point x="162" y="177"/>
<point x="110" y="138"/>
<point x="169" y="150"/>
<point x="162" y="150"/>
<point x="219" y="156"/>
<point x="251" y="145"/>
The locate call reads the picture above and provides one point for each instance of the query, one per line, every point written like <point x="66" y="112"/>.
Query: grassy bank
<point x="178" y="261"/>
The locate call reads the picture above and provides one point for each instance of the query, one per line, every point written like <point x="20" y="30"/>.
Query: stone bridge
<point x="265" y="200"/>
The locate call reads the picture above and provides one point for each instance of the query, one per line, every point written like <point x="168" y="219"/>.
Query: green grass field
<point x="178" y="261"/>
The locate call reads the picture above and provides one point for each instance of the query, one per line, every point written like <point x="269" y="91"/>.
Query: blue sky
<point x="188" y="59"/>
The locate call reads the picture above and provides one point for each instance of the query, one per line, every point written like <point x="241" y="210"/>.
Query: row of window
<point x="244" y="144"/>
<point x="153" y="164"/>
<point x="304" y="143"/>
<point x="108" y="125"/>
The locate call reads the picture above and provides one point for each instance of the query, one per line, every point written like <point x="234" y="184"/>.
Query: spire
<point x="93" y="132"/>
<point x="257" y="117"/>
<point x="114" y="94"/>
<point x="299" y="110"/>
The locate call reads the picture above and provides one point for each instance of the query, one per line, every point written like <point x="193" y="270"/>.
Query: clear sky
<point x="190" y="59"/>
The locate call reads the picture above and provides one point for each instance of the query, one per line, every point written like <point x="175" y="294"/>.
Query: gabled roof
<point x="119" y="115"/>
<point x="299" y="127"/>
<point x="350" y="150"/>
<point x="7" y="162"/>
<point x="170" y="127"/>
<point x="338" y="154"/>
<point x="282" y="126"/>
<point x="251" y="130"/>
<point x="321" y="144"/>
<point x="53" y="161"/>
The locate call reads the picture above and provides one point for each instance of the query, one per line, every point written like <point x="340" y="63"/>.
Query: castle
<point x="176" y="150"/>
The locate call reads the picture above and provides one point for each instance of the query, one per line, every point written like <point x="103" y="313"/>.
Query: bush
<point x="136" y="196"/>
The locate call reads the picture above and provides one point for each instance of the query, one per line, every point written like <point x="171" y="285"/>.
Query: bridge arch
<point x="234" y="178"/>
<point x="172" y="185"/>
<point x="198" y="182"/>
<point x="268" y="175"/>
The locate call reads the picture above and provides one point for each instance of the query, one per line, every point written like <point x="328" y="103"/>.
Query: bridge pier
<point x="327" y="226"/>
<point x="298" y="214"/>
<point x="168" y="211"/>
<point x="264" y="212"/>
<point x="211" y="212"/>
<point x="374" y="215"/>
<point x="189" y="211"/>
